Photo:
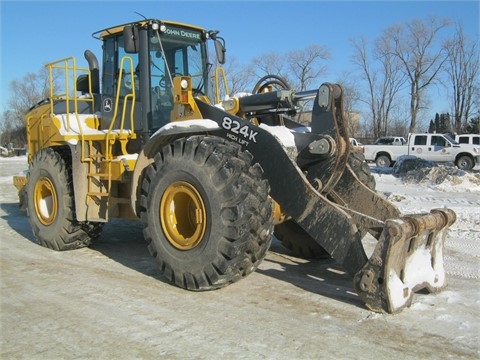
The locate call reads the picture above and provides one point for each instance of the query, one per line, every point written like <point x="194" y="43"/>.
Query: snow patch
<point x="76" y="124"/>
<point x="188" y="125"/>
<point x="284" y="136"/>
<point x="416" y="272"/>
<point x="446" y="178"/>
<point x="126" y="157"/>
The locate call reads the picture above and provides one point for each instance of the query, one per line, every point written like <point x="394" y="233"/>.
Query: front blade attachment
<point x="408" y="257"/>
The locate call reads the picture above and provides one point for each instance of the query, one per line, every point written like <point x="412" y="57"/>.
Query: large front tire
<point x="206" y="213"/>
<point x="51" y="206"/>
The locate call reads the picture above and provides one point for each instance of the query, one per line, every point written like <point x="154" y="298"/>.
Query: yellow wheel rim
<point x="45" y="200"/>
<point x="183" y="215"/>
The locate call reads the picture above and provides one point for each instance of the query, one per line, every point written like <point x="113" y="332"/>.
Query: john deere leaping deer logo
<point x="107" y="105"/>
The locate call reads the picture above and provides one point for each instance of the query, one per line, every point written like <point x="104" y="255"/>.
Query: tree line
<point x="387" y="85"/>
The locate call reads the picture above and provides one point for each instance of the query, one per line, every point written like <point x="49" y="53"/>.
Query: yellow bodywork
<point x="100" y="161"/>
<point x="101" y="165"/>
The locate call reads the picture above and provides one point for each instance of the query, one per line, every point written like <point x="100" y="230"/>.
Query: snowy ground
<point x="109" y="302"/>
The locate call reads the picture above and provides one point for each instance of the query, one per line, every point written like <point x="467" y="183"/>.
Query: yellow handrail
<point x="129" y="97"/>
<point x="220" y="75"/>
<point x="70" y="70"/>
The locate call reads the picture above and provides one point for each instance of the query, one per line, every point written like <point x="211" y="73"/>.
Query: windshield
<point x="384" y="141"/>
<point x="177" y="51"/>
<point x="449" y="138"/>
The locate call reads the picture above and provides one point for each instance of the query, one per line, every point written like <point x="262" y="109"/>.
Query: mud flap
<point x="407" y="258"/>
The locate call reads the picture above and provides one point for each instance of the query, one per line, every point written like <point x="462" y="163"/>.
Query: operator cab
<point x="140" y="61"/>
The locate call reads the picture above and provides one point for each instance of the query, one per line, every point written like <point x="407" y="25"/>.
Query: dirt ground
<point x="108" y="301"/>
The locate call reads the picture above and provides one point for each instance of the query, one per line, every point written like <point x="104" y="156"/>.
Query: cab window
<point x="438" y="141"/>
<point x="108" y="74"/>
<point x="127" y="69"/>
<point x="420" y="140"/>
<point x="124" y="64"/>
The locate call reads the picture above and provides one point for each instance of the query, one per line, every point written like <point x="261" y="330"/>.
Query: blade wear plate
<point x="407" y="258"/>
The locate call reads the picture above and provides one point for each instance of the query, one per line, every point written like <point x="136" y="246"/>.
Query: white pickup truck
<point x="433" y="147"/>
<point x="471" y="139"/>
<point x="391" y="140"/>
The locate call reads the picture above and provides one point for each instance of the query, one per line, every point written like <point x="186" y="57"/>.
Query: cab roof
<point x="118" y="29"/>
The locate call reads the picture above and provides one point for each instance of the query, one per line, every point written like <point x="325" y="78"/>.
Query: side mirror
<point x="130" y="39"/>
<point x="220" y="50"/>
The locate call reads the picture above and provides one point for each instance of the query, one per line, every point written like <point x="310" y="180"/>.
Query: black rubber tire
<point x="237" y="208"/>
<point x="383" y="161"/>
<point x="55" y="225"/>
<point x="465" y="163"/>
<point x="22" y="198"/>
<point x="362" y="170"/>
<point x="297" y="240"/>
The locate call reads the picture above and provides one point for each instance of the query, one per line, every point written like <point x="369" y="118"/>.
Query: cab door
<point x="431" y="147"/>
<point x="120" y="86"/>
<point x="440" y="149"/>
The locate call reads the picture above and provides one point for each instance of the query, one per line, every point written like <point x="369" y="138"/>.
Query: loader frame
<point x="113" y="166"/>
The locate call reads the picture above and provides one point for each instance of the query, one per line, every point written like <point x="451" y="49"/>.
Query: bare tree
<point x="7" y="128"/>
<point x="414" y="44"/>
<point x="463" y="70"/>
<point x="393" y="79"/>
<point x="351" y="96"/>
<point x="361" y="59"/>
<point x="301" y="68"/>
<point x="25" y="93"/>
<point x="384" y="81"/>
<point x="306" y="65"/>
<point x="239" y="78"/>
<point x="269" y="64"/>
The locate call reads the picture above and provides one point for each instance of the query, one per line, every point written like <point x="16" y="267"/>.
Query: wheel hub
<point x="45" y="200"/>
<point x="183" y="215"/>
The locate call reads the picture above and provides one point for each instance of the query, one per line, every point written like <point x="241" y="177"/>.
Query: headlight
<point x="228" y="104"/>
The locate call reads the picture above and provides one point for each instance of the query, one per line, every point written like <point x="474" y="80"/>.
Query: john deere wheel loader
<point x="212" y="181"/>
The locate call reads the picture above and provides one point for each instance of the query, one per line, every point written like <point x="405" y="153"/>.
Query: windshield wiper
<point x="197" y="90"/>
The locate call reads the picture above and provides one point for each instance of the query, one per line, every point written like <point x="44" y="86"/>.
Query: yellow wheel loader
<point x="212" y="181"/>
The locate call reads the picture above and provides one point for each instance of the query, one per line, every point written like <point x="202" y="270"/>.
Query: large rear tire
<point x="51" y="205"/>
<point x="297" y="240"/>
<point x="206" y="212"/>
